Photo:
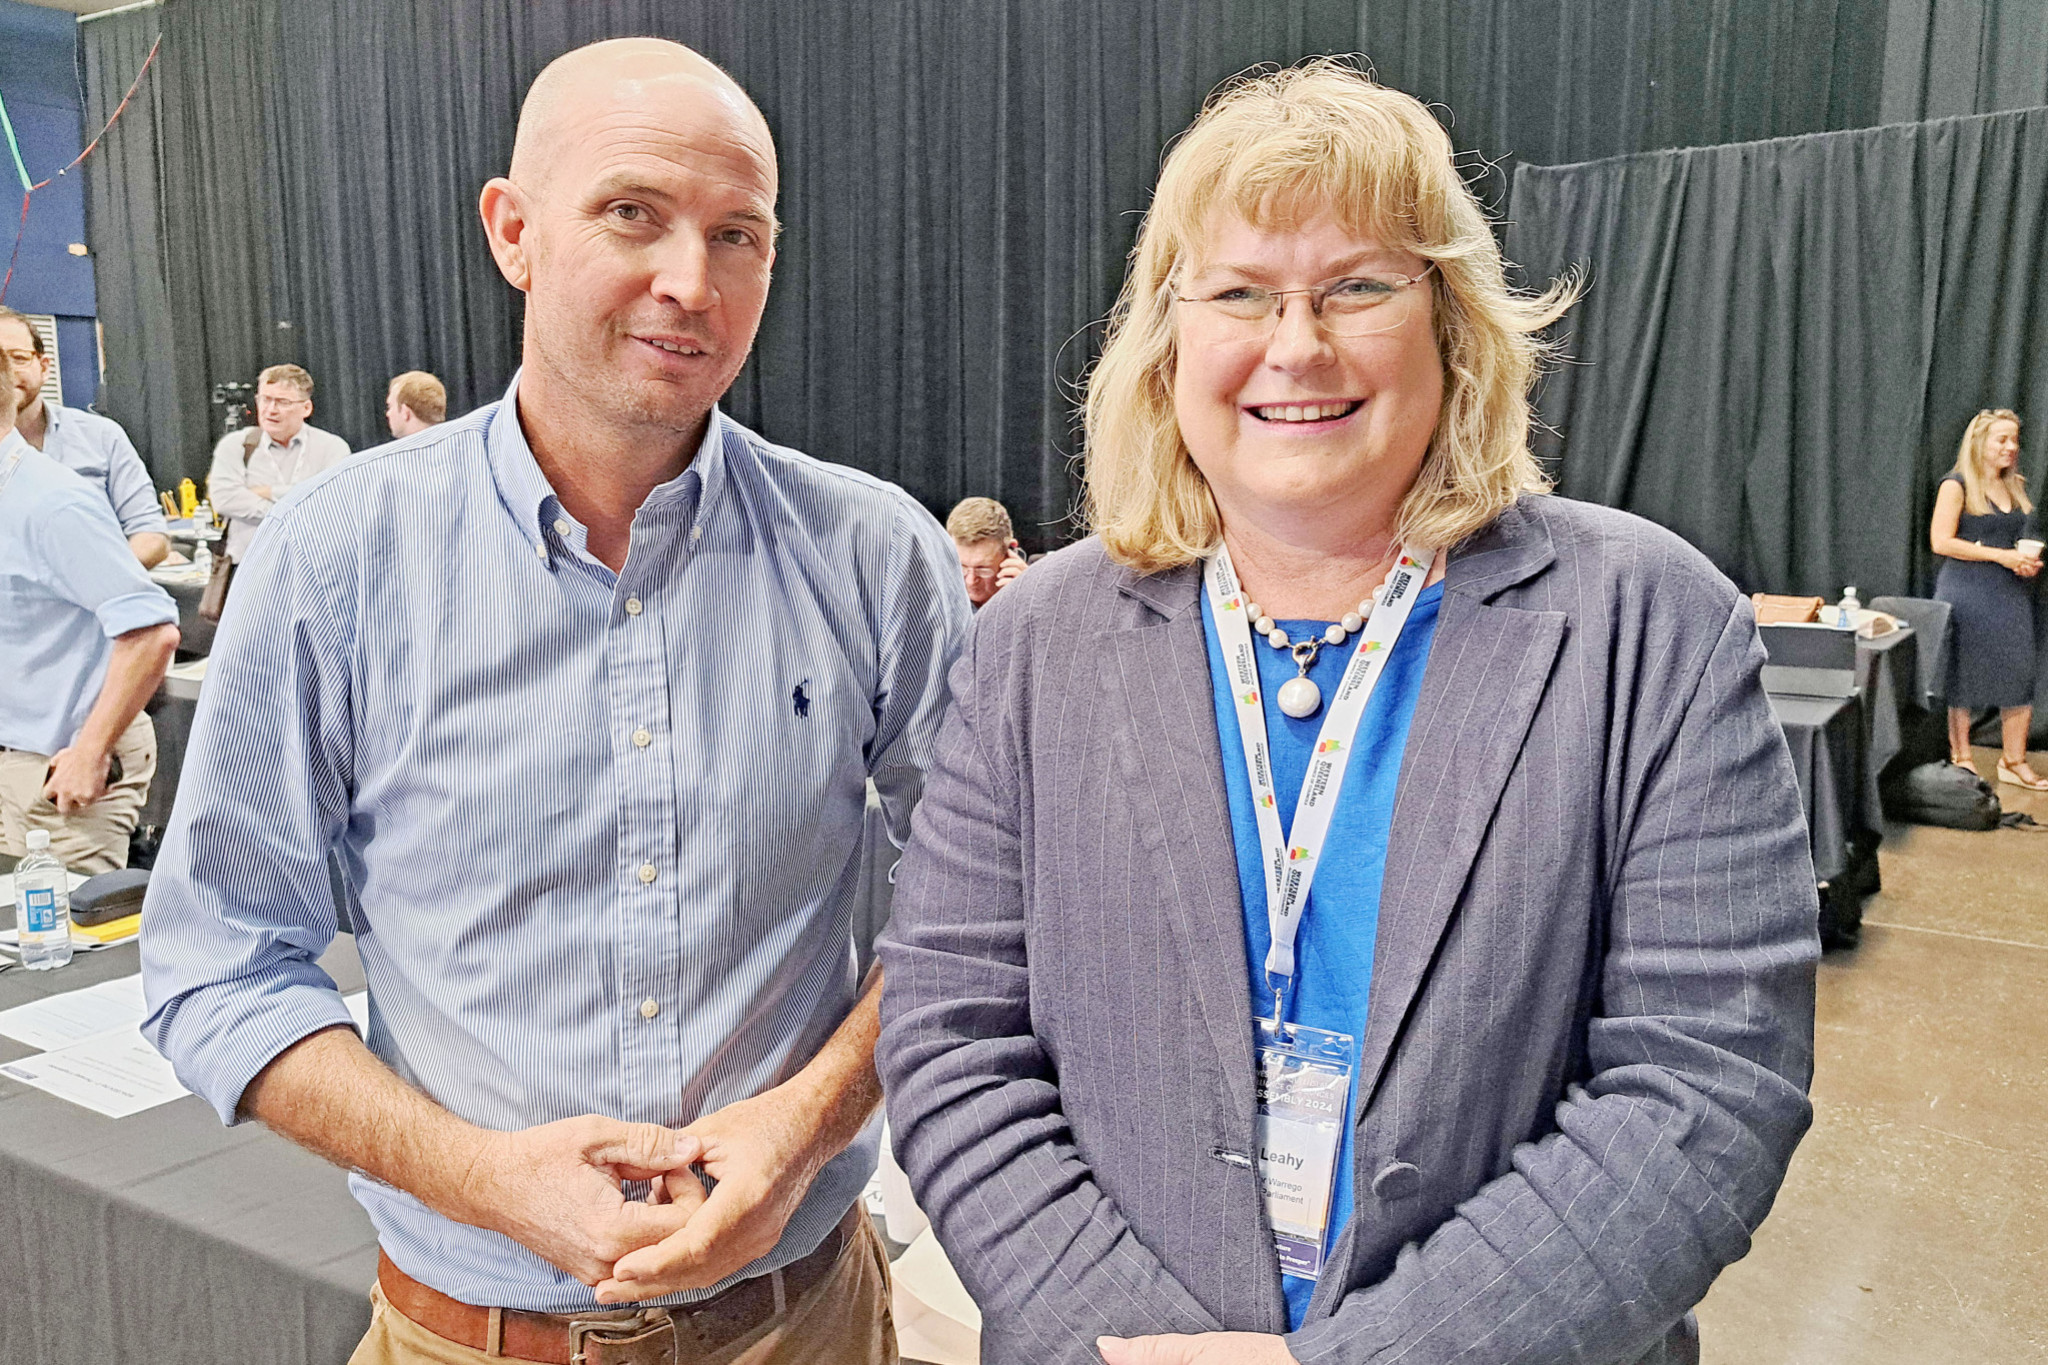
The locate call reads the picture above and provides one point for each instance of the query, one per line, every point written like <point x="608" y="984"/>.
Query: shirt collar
<point x="531" y="500"/>
<point x="53" y="417"/>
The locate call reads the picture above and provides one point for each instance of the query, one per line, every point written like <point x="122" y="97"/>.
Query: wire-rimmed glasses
<point x="1351" y="306"/>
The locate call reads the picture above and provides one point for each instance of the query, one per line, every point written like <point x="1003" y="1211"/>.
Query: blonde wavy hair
<point x="1277" y="148"/>
<point x="1970" y="465"/>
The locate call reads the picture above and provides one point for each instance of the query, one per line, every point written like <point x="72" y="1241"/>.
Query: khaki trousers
<point x="91" y="840"/>
<point x="844" y="1320"/>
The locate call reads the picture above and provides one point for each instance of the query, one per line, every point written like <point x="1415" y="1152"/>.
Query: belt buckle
<point x="624" y="1341"/>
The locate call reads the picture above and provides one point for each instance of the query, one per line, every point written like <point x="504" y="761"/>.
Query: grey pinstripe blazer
<point x="1591" y="1017"/>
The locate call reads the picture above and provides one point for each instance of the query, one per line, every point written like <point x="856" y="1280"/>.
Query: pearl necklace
<point x="1299" y="697"/>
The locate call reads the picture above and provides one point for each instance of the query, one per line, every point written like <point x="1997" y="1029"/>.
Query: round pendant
<point x="1300" y="698"/>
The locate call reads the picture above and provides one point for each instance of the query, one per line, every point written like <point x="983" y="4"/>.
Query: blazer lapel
<point x="1157" y="675"/>
<point x="1488" y="667"/>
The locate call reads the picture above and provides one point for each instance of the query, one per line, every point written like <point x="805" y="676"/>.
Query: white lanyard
<point x="7" y="473"/>
<point x="1290" y="861"/>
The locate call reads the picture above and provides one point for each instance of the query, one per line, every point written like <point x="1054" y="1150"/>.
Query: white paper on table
<point x="7" y="896"/>
<point x="58" y="1021"/>
<point x="116" y="1074"/>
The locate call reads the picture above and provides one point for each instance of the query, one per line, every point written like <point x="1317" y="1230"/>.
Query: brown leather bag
<point x="215" y="598"/>
<point x="1776" y="609"/>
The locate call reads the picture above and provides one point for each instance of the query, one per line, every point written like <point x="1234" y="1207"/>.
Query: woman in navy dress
<point x="1981" y="512"/>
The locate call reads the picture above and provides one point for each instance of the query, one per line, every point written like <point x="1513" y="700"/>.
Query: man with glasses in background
<point x="89" y="445"/>
<point x="87" y="637"/>
<point x="255" y="467"/>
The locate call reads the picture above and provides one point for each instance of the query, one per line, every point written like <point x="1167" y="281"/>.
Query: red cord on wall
<point x="21" y="228"/>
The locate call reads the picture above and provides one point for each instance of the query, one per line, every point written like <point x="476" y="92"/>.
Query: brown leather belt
<point x="649" y="1336"/>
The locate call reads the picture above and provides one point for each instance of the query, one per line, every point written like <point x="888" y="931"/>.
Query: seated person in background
<point x="252" y="469"/>
<point x="89" y="445"/>
<point x="990" y="559"/>
<point x="87" y="637"/>
<point x="415" y="401"/>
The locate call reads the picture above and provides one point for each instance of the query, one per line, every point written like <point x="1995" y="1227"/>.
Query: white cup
<point x="2030" y="548"/>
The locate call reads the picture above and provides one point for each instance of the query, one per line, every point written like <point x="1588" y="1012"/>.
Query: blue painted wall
<point x="39" y="82"/>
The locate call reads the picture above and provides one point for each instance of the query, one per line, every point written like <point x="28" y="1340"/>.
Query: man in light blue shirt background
<point x="91" y="446"/>
<point x="86" y="637"/>
<point x="586" y="688"/>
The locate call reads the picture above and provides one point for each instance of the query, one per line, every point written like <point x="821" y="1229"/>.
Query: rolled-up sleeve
<point x="239" y="905"/>
<point x="130" y="489"/>
<point x="91" y="567"/>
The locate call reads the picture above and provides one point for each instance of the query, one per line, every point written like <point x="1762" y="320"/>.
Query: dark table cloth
<point x="1825" y="736"/>
<point x="164" y="1237"/>
<point x="1888" y="679"/>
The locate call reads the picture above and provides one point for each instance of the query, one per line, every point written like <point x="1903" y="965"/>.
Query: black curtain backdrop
<point x="961" y="182"/>
<point x="123" y="204"/>
<point x="1784" y="340"/>
<point x="1553" y="81"/>
<point x="1944" y="58"/>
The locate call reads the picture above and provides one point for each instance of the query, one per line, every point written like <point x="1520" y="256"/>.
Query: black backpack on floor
<point x="1941" y="793"/>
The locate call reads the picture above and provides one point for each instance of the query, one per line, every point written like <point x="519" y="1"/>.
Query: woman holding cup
<point x="1982" y="517"/>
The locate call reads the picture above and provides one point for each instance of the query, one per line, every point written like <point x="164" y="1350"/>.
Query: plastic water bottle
<point x="42" y="900"/>
<point x="202" y="558"/>
<point x="1847" y="608"/>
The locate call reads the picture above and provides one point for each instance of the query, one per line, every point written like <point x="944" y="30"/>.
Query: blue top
<point x="68" y="585"/>
<point x="98" y="451"/>
<point x="599" y="831"/>
<point x="1333" y="949"/>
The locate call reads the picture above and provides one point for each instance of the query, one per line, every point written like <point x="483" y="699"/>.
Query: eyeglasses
<point x="267" y="401"/>
<point x="1348" y="307"/>
<point x="979" y="574"/>
<point x="22" y="359"/>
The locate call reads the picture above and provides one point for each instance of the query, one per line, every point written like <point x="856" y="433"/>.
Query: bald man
<point x="585" y="688"/>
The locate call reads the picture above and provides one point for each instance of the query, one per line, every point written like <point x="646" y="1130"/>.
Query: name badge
<point x="1304" y="1094"/>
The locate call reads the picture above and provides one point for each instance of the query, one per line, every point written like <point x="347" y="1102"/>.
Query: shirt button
<point x="562" y="526"/>
<point x="541" y="550"/>
<point x="647" y="872"/>
<point x="641" y="739"/>
<point x="632" y="606"/>
<point x="648" y="1009"/>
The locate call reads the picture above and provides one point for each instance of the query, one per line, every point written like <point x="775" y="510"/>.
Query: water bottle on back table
<point x="42" y="900"/>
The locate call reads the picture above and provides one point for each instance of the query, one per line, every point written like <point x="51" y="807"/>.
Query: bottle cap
<point x="38" y="840"/>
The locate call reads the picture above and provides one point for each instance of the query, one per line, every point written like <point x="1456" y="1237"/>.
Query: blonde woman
<point x="1360" y="907"/>
<point x="1981" y="513"/>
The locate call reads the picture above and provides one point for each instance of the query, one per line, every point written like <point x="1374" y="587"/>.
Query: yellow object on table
<point x="188" y="497"/>
<point x="113" y="931"/>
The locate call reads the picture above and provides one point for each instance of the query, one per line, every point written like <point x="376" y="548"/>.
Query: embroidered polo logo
<point x="799" y="701"/>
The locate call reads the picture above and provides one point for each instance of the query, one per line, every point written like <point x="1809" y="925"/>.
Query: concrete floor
<point x="1913" y="1227"/>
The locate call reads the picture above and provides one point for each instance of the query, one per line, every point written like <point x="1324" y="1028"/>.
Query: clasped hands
<point x="557" y="1190"/>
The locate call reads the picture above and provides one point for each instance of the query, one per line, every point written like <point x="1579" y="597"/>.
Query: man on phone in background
<point x="990" y="558"/>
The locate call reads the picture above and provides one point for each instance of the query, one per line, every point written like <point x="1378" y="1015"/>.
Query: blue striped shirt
<point x="600" y="832"/>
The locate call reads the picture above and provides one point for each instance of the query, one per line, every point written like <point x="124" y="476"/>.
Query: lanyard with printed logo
<point x="1303" y="1074"/>
<point x="1290" y="859"/>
